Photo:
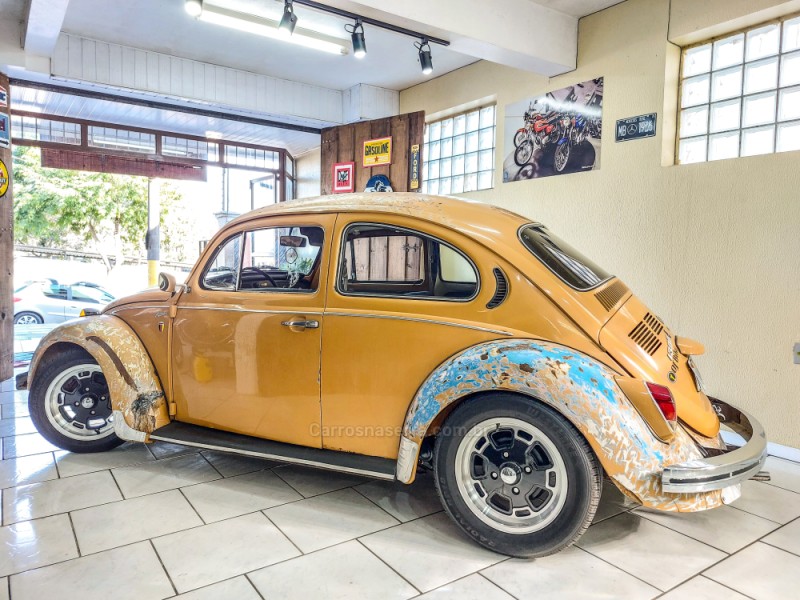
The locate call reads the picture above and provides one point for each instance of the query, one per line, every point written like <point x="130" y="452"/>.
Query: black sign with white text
<point x="634" y="128"/>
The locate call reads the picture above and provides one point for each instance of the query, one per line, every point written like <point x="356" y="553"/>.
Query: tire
<point x="523" y="153"/>
<point x="561" y="157"/>
<point x="28" y="318"/>
<point x="550" y="465"/>
<point x="520" y="137"/>
<point x="70" y="405"/>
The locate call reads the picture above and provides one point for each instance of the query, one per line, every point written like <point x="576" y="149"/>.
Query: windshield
<point x="562" y="259"/>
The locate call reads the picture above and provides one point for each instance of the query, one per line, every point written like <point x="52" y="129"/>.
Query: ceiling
<point x="164" y="26"/>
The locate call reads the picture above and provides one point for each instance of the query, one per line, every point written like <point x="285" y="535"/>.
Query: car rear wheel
<point x="516" y="476"/>
<point x="27" y="318"/>
<point x="70" y="404"/>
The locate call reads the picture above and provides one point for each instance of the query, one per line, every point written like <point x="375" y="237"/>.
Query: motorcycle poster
<point x="554" y="134"/>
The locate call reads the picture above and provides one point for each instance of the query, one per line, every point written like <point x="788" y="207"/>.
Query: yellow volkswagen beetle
<point x="381" y="334"/>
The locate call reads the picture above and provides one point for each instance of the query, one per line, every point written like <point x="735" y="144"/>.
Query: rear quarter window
<point x="569" y="265"/>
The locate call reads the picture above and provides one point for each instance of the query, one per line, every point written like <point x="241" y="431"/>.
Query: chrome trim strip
<point x="726" y="469"/>
<point x="418" y="320"/>
<point x="116" y="309"/>
<point x="250" y="310"/>
<point x="278" y="457"/>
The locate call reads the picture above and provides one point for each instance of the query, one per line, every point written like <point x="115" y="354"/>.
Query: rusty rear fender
<point x="137" y="396"/>
<point x="581" y="389"/>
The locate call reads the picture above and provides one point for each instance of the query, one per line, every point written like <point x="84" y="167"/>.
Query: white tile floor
<point x="165" y="521"/>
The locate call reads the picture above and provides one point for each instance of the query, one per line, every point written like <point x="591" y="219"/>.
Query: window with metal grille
<point x="740" y="94"/>
<point x="458" y="155"/>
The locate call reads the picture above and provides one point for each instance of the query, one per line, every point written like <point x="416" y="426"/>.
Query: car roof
<point x="478" y="220"/>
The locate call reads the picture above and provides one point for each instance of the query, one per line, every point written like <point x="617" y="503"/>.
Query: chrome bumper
<point x="727" y="469"/>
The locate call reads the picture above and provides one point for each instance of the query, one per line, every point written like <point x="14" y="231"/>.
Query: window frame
<point x="775" y="122"/>
<point x="454" y="116"/>
<point x="340" y="266"/>
<point x="550" y="269"/>
<point x="242" y="234"/>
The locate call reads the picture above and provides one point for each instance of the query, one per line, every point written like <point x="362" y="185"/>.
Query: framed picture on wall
<point x="344" y="177"/>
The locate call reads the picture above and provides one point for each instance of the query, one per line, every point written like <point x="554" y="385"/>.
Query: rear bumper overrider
<point x="724" y="470"/>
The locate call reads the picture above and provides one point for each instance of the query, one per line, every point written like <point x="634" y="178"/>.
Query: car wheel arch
<point x="578" y="387"/>
<point x="137" y="396"/>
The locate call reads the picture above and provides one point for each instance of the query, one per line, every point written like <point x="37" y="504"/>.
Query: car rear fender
<point x="581" y="389"/>
<point x="137" y="397"/>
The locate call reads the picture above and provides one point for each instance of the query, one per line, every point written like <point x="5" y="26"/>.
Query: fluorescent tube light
<point x="269" y="28"/>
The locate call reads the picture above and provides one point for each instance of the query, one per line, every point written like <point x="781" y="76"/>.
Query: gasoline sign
<point x="378" y="152"/>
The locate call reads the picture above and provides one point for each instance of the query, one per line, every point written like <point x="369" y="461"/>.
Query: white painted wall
<point x="308" y="174"/>
<point x="712" y="248"/>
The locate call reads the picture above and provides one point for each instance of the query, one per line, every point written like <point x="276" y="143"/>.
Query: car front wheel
<point x="70" y="404"/>
<point x="27" y="318"/>
<point x="516" y="476"/>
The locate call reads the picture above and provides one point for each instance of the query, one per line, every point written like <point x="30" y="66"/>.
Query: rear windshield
<point x="568" y="264"/>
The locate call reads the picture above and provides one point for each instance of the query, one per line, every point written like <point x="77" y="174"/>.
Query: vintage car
<point x="381" y="334"/>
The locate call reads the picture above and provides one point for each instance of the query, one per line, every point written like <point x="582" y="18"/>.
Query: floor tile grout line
<point x="390" y="567"/>
<point x="74" y="534"/>
<point x="499" y="587"/>
<point x="356" y="490"/>
<point x="163" y="566"/>
<point x="253" y="585"/>
<point x="757" y="515"/>
<point x="644" y="516"/>
<point x="590" y="553"/>
<point x="763" y="541"/>
<point x="283" y="533"/>
<point x="194" y="508"/>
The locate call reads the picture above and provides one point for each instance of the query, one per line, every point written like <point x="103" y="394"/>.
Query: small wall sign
<point x="414" y="172"/>
<point x="344" y="179"/>
<point x="378" y="152"/>
<point x="3" y="97"/>
<point x="5" y="131"/>
<point x="635" y="128"/>
<point x="3" y="179"/>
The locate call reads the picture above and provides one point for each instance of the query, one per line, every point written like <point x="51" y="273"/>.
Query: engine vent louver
<point x="501" y="291"/>
<point x="646" y="334"/>
<point x="609" y="296"/>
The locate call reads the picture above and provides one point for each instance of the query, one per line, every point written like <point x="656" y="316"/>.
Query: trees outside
<point x="100" y="212"/>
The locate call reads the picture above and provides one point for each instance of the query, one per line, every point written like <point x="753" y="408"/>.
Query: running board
<point x="187" y="434"/>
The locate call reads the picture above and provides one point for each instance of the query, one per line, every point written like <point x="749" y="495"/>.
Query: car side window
<point x="222" y="272"/>
<point x="285" y="259"/>
<point x="383" y="260"/>
<point x="281" y="258"/>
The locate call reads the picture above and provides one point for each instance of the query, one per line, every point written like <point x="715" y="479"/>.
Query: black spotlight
<point x="194" y="7"/>
<point x="357" y="35"/>
<point x="289" y="19"/>
<point x="425" y="60"/>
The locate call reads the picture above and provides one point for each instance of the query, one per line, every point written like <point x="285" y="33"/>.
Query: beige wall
<point x="712" y="248"/>
<point x="308" y="176"/>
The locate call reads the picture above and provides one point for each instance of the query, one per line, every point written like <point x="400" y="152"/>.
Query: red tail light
<point x="663" y="399"/>
<point x="17" y="299"/>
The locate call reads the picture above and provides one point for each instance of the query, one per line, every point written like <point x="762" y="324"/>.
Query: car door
<point x="405" y="295"/>
<point x="247" y="334"/>
<point x="53" y="303"/>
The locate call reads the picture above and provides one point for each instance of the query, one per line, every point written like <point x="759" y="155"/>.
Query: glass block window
<point x="186" y="148"/>
<point x="251" y="157"/>
<point x="122" y="139"/>
<point x="740" y="94"/>
<point x="458" y="155"/>
<point x="45" y="130"/>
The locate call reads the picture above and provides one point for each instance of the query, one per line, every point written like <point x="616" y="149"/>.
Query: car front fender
<point x="137" y="397"/>
<point x="582" y="390"/>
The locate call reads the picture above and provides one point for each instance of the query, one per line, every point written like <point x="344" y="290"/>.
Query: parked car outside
<point x="50" y="302"/>
<point x="381" y="334"/>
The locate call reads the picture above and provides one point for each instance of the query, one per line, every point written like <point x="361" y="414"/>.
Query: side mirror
<point x="166" y="282"/>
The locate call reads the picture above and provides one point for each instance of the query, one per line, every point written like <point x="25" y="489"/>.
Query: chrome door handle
<point x="301" y="324"/>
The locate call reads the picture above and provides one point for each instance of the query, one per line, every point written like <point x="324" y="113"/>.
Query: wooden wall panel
<point x="346" y="144"/>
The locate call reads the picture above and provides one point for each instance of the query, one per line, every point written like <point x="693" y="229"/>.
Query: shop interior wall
<point x="712" y="248"/>
<point x="308" y="174"/>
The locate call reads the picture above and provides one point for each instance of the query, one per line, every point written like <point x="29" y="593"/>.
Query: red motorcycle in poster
<point x="540" y="130"/>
